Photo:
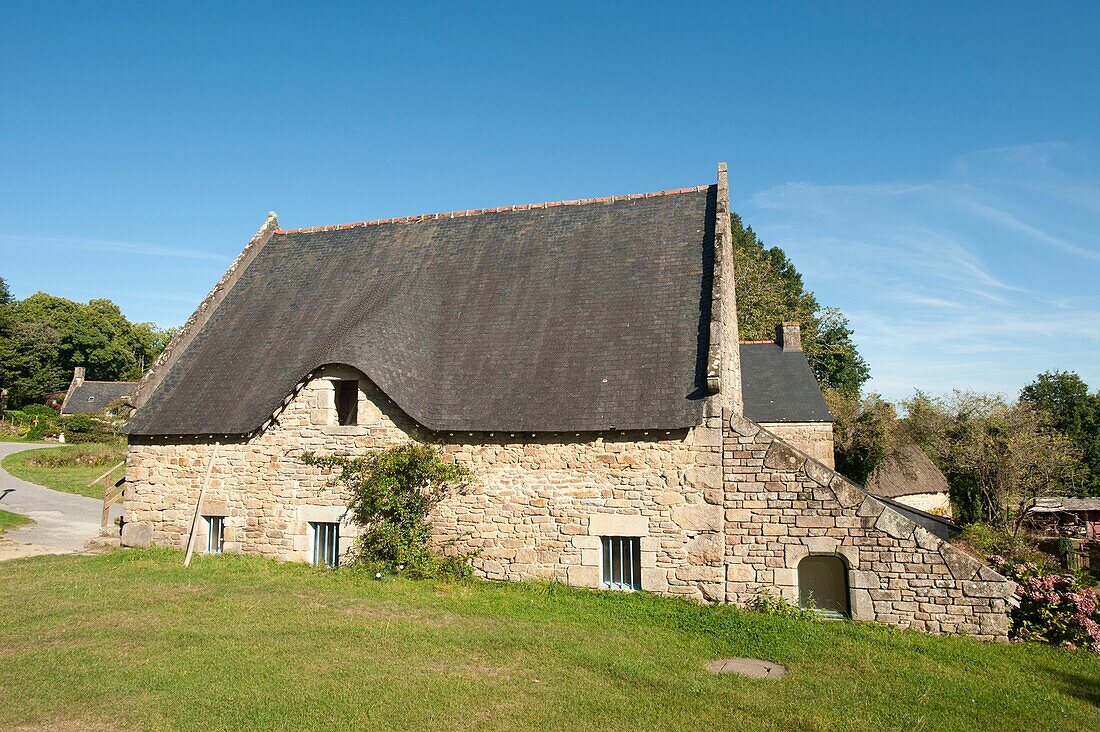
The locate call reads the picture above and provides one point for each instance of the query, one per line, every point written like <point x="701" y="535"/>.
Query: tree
<point x="863" y="433"/>
<point x="95" y="335"/>
<point x="1075" y="413"/>
<point x="29" y="361"/>
<point x="5" y="292"/>
<point x="998" y="458"/>
<point x="770" y="291"/>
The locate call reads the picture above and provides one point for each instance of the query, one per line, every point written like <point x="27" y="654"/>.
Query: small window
<point x="91" y="398"/>
<point x="347" y="402"/>
<point x="215" y="534"/>
<point x="622" y="562"/>
<point x="326" y="544"/>
<point x="823" y="585"/>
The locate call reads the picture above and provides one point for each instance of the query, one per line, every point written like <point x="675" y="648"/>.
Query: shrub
<point x="391" y="493"/>
<point x="985" y="539"/>
<point x="41" y="411"/>
<point x="97" y="435"/>
<point x="15" y="416"/>
<point x="79" y="455"/>
<point x="1054" y="608"/>
<point x="80" y="428"/>
<point x="78" y="423"/>
<point x="34" y="421"/>
<point x="769" y="603"/>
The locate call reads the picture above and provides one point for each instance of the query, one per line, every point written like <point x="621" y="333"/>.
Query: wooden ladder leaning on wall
<point x="112" y="492"/>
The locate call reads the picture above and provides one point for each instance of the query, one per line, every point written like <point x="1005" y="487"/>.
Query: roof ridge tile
<point x="497" y="209"/>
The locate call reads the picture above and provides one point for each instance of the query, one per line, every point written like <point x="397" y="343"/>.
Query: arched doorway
<point x="823" y="585"/>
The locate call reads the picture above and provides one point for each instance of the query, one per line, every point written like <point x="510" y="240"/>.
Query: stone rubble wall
<point x="782" y="506"/>
<point x="538" y="508"/>
<point x="935" y="503"/>
<point x="723" y="510"/>
<point x="813" y="438"/>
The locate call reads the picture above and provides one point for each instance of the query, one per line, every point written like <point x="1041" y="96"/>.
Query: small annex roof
<point x="1065" y="504"/>
<point x="90" y="397"/>
<point x="578" y="315"/>
<point x="779" y="386"/>
<point x="907" y="471"/>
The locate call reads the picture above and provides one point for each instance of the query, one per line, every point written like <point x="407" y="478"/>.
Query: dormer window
<point x="347" y="402"/>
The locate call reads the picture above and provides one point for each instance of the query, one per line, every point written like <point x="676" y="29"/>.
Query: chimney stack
<point x="78" y="375"/>
<point x="788" y="336"/>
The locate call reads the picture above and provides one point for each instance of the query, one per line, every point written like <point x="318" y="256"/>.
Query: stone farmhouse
<point x="582" y="358"/>
<point x="92" y="397"/>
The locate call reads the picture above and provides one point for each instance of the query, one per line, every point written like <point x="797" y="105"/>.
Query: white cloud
<point x="979" y="279"/>
<point x="99" y="245"/>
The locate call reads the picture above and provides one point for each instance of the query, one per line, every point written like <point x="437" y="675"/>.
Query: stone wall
<point x="935" y="503"/>
<point x="813" y="438"/>
<point x="782" y="506"/>
<point x="723" y="511"/>
<point x="538" y="508"/>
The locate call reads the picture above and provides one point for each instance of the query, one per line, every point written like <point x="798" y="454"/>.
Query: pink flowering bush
<point x="1054" y="608"/>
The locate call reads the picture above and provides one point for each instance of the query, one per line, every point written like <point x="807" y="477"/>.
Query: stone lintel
<point x="322" y="514"/>
<point x="612" y="524"/>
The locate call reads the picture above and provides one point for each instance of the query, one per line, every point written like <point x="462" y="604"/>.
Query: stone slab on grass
<point x="753" y="668"/>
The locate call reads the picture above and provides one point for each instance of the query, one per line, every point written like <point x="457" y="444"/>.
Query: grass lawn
<point x="130" y="640"/>
<point x="67" y="478"/>
<point x="9" y="520"/>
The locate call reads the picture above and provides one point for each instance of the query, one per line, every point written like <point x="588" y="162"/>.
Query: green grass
<point x="12" y="437"/>
<point x="132" y="640"/>
<point x="70" y="478"/>
<point x="9" y="520"/>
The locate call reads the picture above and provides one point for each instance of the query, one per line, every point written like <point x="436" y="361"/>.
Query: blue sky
<point x="932" y="170"/>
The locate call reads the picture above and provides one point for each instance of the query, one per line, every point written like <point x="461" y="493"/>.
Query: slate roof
<point x="558" y="318"/>
<point x="94" y="396"/>
<point x="779" y="386"/>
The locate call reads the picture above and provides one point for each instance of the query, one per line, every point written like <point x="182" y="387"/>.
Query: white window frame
<point x="325" y="532"/>
<point x="215" y="540"/>
<point x="628" y="578"/>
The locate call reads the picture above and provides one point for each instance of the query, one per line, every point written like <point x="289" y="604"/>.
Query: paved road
<point x="63" y="521"/>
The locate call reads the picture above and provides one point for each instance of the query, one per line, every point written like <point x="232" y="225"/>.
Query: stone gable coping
<point x="976" y="578"/>
<point x="714" y="348"/>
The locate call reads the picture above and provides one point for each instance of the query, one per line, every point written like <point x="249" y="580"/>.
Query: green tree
<point x="1075" y="412"/>
<point x="863" y="433"/>
<point x="29" y="362"/>
<point x="95" y="335"/>
<point x="998" y="458"/>
<point x="5" y="292"/>
<point x="770" y="291"/>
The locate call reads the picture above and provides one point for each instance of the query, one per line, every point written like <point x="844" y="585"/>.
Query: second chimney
<point x="788" y="336"/>
<point x="78" y="375"/>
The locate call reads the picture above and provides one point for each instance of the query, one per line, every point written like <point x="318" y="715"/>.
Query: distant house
<point x="908" y="476"/>
<point x="1077" y="518"/>
<point x="92" y="397"/>
<point x="55" y="399"/>
<point x="583" y="359"/>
